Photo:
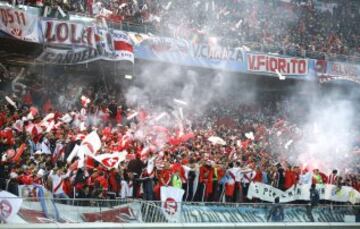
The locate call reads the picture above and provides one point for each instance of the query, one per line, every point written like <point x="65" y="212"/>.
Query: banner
<point x="343" y="69"/>
<point x="78" y="43"/>
<point x="263" y="63"/>
<point x="182" y="52"/>
<point x="250" y="213"/>
<point x="129" y="213"/>
<point x="302" y="192"/>
<point x="171" y="199"/>
<point x="20" y="24"/>
<point x="65" y="42"/>
<point x="9" y="205"/>
<point x="68" y="33"/>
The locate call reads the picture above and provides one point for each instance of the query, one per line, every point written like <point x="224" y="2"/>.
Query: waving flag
<point x="91" y="144"/>
<point x="111" y="160"/>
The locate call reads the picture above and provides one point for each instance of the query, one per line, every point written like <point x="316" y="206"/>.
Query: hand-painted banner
<point x="182" y="52"/>
<point x="68" y="33"/>
<point x="130" y="213"/>
<point x="218" y="213"/>
<point x="20" y="24"/>
<point x="263" y="63"/>
<point x="104" y="44"/>
<point x="302" y="192"/>
<point x="66" y="42"/>
<point x="343" y="69"/>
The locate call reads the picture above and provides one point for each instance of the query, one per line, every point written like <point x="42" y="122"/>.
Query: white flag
<point x="171" y="203"/>
<point x="217" y="140"/>
<point x="9" y="205"/>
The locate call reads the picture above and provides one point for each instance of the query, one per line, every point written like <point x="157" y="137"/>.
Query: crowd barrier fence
<point x="50" y="210"/>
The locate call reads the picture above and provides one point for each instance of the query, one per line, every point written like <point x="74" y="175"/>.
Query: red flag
<point x="187" y="137"/>
<point x="19" y="152"/>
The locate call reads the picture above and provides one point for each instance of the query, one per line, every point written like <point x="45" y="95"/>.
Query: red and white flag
<point x="171" y="203"/>
<point x="9" y="205"/>
<point x="91" y="144"/>
<point x="111" y="160"/>
<point x="117" y="44"/>
<point x="122" y="46"/>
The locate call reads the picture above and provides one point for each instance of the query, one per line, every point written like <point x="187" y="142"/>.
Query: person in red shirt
<point x="205" y="186"/>
<point x="258" y="175"/>
<point x="165" y="175"/>
<point x="114" y="181"/>
<point x="290" y="178"/>
<point x="102" y="179"/>
<point x="67" y="187"/>
<point x="178" y="167"/>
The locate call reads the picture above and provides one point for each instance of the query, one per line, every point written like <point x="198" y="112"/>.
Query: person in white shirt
<point x="45" y="146"/>
<point x="126" y="190"/>
<point x="56" y="179"/>
<point x="247" y="178"/>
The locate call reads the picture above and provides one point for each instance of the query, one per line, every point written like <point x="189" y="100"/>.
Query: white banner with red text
<point x="272" y="64"/>
<point x="302" y="192"/>
<point x="79" y="42"/>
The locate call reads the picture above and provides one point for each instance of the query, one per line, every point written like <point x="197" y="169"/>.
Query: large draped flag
<point x="171" y="203"/>
<point x="9" y="205"/>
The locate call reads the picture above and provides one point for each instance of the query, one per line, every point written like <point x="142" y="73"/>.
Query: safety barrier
<point x="48" y="210"/>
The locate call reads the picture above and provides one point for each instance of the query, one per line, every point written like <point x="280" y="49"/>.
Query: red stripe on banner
<point x="123" y="46"/>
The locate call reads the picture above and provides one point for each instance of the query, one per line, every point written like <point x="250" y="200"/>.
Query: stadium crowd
<point x="42" y="123"/>
<point x="318" y="28"/>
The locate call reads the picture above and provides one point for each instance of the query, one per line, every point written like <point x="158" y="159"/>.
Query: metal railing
<point x="139" y="211"/>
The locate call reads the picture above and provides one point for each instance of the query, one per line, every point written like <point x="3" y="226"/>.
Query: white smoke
<point x="328" y="134"/>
